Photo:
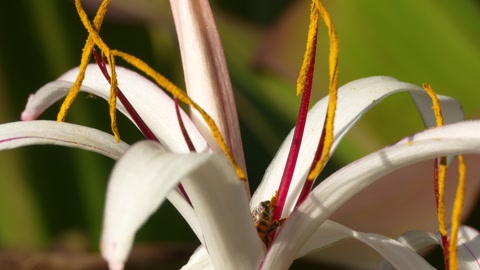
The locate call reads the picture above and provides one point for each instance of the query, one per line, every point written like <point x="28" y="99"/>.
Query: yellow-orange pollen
<point x="95" y="39"/>
<point x="333" y="85"/>
<point x="451" y="253"/>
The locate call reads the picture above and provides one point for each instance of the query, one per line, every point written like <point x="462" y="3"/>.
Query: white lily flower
<point x="140" y="168"/>
<point x="309" y="222"/>
<point x="213" y="200"/>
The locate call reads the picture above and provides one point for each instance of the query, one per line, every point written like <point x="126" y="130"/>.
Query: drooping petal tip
<point x="115" y="266"/>
<point x="115" y="253"/>
<point x="27" y="115"/>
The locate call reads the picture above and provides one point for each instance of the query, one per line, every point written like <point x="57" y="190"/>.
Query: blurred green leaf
<point x="434" y="42"/>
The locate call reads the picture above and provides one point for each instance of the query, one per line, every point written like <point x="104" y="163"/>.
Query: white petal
<point x="468" y="248"/>
<point x="153" y="105"/>
<point x="138" y="185"/>
<point x="221" y="205"/>
<point x="354" y="100"/>
<point x="452" y="139"/>
<point x="387" y="207"/>
<point x="146" y="174"/>
<point x="416" y="241"/>
<point x="452" y="110"/>
<point x="399" y="255"/>
<point x="18" y="134"/>
<point x="468" y="244"/>
<point x="206" y="73"/>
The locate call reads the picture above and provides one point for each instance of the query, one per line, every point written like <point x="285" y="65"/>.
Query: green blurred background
<point x="50" y="194"/>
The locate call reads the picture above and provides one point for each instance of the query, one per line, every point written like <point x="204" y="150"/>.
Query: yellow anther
<point x="437" y="109"/>
<point x="460" y="193"/>
<point x="442" y="169"/>
<point x="182" y="96"/>
<point x="95" y="39"/>
<point x="457" y="213"/>
<point x="332" y="102"/>
<point x="309" y="51"/>
<point x="87" y="51"/>
<point x="112" y="101"/>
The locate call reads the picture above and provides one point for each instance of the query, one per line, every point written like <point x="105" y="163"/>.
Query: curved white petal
<point x="389" y="208"/>
<point x="354" y="100"/>
<point x="18" y="134"/>
<point x="397" y="254"/>
<point x="206" y="73"/>
<point x="144" y="176"/>
<point x="221" y="205"/>
<point x="153" y="105"/>
<point x="139" y="183"/>
<point x="468" y="244"/>
<point x="416" y="241"/>
<point x="468" y="248"/>
<point x="452" y="139"/>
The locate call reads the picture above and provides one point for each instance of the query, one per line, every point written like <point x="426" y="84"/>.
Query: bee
<point x="262" y="219"/>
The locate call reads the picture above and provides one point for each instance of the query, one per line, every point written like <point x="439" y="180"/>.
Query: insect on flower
<point x="262" y="218"/>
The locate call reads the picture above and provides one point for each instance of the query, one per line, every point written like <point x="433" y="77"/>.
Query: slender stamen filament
<point x="326" y="140"/>
<point x="188" y="141"/>
<point x="307" y="186"/>
<point x="87" y="50"/>
<point x="457" y="213"/>
<point x="327" y="134"/>
<point x="138" y="120"/>
<point x="440" y="168"/>
<point x="182" y="96"/>
<point x="147" y="132"/>
<point x="304" y="83"/>
<point x="95" y="39"/>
